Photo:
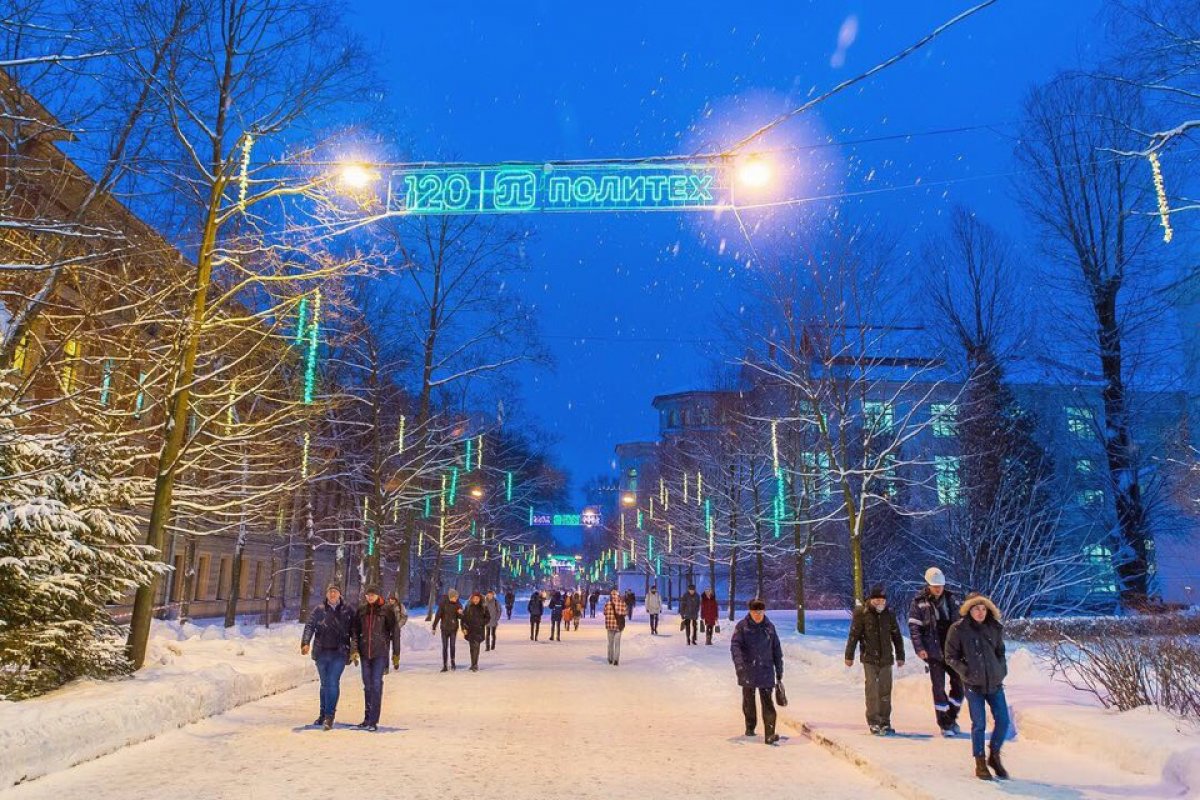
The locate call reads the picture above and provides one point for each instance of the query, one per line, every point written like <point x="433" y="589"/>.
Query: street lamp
<point x="628" y="499"/>
<point x="355" y="176"/>
<point x="476" y="492"/>
<point x="754" y="171"/>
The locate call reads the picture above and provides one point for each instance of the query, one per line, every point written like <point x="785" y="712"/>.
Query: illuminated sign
<point x="524" y="188"/>
<point x="587" y="519"/>
<point x="541" y="519"/>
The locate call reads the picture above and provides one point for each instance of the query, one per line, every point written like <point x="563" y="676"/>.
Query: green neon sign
<point x="526" y="188"/>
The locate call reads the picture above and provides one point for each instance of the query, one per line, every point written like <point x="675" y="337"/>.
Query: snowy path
<point x="539" y="720"/>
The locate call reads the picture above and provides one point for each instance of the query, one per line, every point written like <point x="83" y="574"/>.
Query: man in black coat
<point x="630" y="601"/>
<point x="510" y="599"/>
<point x="535" y="609"/>
<point x="689" y="613"/>
<point x="327" y="632"/>
<point x="376" y="635"/>
<point x="758" y="661"/>
<point x="929" y="619"/>
<point x="448" y="615"/>
<point x="475" y="620"/>
<point x="556" y="612"/>
<point x="592" y="601"/>
<point x="975" y="650"/>
<point x="876" y="634"/>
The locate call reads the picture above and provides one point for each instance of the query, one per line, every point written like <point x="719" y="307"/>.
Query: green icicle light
<point x="453" y="484"/>
<point x="460" y="562"/>
<point x="428" y="503"/>
<point x="469" y="455"/>
<point x="301" y="319"/>
<point x="508" y="487"/>
<point x="310" y="367"/>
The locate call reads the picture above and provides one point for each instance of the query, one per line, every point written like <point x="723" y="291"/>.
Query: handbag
<point x="780" y="694"/>
<point x="717" y="629"/>
<point x="620" y="622"/>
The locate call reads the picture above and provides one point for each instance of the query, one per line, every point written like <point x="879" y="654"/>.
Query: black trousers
<point x="654" y="623"/>
<point x="690" y="629"/>
<point x="768" y="709"/>
<point x="592" y="608"/>
<point x="474" y="645"/>
<point x="508" y="610"/>
<point x="449" y="638"/>
<point x="556" y="625"/>
<point x="490" y="637"/>
<point x="946" y="706"/>
<point x="535" y="625"/>
<point x="708" y="632"/>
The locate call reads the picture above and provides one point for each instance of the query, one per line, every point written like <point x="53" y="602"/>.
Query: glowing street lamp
<point x="476" y="492"/>
<point x="754" y="171"/>
<point x="355" y="176"/>
<point x="628" y="499"/>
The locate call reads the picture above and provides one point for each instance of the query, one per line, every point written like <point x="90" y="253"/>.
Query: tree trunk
<point x="189" y="577"/>
<point x="306" y="584"/>
<point x="434" y="581"/>
<point x="235" y="578"/>
<point x="733" y="583"/>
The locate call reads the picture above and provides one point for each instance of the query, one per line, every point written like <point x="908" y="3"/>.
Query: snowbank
<point x="192" y="672"/>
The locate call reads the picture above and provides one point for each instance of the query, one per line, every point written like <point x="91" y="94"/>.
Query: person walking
<point x="975" y="651"/>
<point x="492" y="604"/>
<point x="576" y="608"/>
<point x="375" y="636"/>
<point x="327" y="636"/>
<point x="535" y="616"/>
<point x="876" y="634"/>
<point x="929" y="618"/>
<point x="401" y="614"/>
<point x="689" y="611"/>
<point x="653" y="608"/>
<point x="708" y="613"/>
<point x="475" y="620"/>
<point x="758" y="662"/>
<point x="593" y="600"/>
<point x="630" y="602"/>
<point x="449" y="614"/>
<point x="556" y="614"/>
<point x="614" y="624"/>
<point x="510" y="600"/>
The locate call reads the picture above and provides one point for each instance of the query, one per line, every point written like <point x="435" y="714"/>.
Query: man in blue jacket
<point x="327" y="634"/>
<point x="758" y="661"/>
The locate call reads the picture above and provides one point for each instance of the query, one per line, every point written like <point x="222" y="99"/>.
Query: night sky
<point x="630" y="303"/>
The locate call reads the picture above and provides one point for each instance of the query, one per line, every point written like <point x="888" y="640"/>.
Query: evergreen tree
<point x="67" y="550"/>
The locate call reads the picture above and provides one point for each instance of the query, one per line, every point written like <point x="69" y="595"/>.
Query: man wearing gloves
<point x="929" y="619"/>
<point x="758" y="661"/>
<point x="375" y="635"/>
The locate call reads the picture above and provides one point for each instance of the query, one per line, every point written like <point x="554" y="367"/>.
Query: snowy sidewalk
<point x="539" y="720"/>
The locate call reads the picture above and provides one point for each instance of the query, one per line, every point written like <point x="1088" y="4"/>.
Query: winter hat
<point x="371" y="588"/>
<point x="877" y="592"/>
<point x="691" y="587"/>
<point x="934" y="577"/>
<point x="758" y="605"/>
<point x="974" y="599"/>
<point x="334" y="587"/>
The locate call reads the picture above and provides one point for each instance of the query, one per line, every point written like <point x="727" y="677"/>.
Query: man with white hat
<point x="929" y="619"/>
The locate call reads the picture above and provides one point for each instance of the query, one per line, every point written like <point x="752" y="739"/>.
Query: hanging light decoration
<point x="244" y="176"/>
<point x="400" y="435"/>
<point x="1160" y="191"/>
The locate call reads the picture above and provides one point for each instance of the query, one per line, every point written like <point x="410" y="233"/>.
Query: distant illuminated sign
<point x="525" y="188"/>
<point x="587" y="519"/>
<point x="541" y="519"/>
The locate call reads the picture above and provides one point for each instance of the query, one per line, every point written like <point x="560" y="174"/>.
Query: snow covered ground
<point x="551" y="719"/>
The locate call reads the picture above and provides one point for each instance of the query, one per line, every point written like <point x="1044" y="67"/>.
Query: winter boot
<point x="328" y="724"/>
<point x="993" y="761"/>
<point x="749" y="731"/>
<point x="771" y="738"/>
<point x="372" y="727"/>
<point x="981" y="769"/>
<point x="319" y="721"/>
<point x="445" y="668"/>
<point x="876" y="730"/>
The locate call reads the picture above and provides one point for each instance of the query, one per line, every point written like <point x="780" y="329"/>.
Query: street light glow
<point x="477" y="492"/>
<point x="356" y="176"/>
<point x="628" y="499"/>
<point x="754" y="172"/>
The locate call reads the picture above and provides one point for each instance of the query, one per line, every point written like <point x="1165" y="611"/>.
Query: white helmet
<point x="934" y="577"/>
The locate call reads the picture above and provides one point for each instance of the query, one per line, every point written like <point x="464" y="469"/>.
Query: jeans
<point x="592" y="609"/>
<point x="690" y="629"/>
<point x="768" y="709"/>
<point x="330" y="665"/>
<point x="654" y="623"/>
<point x="556" y="625"/>
<point x="879" y="694"/>
<point x="490" y="633"/>
<point x="946" y="706"/>
<point x="474" y="646"/>
<point x="372" y="675"/>
<point x="975" y="704"/>
<point x="614" y="646"/>
<point x="448" y="640"/>
<point x="535" y="627"/>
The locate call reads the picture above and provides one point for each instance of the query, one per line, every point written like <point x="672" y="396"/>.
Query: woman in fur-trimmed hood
<point x="975" y="650"/>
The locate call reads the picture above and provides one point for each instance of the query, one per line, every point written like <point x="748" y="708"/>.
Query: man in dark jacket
<point x="475" y="619"/>
<point x="448" y="615"/>
<point x="630" y="602"/>
<point x="975" y="650"/>
<point x="510" y="599"/>
<point x="556" y="612"/>
<point x="876" y="634"/>
<point x="592" y="601"/>
<point x="535" y="609"/>
<point x="689" y="612"/>
<point x="758" y="661"/>
<point x="929" y="619"/>
<point x="327" y="633"/>
<point x="376" y="635"/>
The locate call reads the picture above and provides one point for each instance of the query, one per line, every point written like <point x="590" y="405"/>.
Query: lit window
<point x="106" y="382"/>
<point x="140" y="401"/>
<point x="21" y="353"/>
<point x="949" y="490"/>
<point x="1081" y="421"/>
<point x="878" y="417"/>
<point x="1090" y="497"/>
<point x="70" y="368"/>
<point x="1100" y="557"/>
<point x="1085" y="466"/>
<point x="890" y="484"/>
<point x="945" y="419"/>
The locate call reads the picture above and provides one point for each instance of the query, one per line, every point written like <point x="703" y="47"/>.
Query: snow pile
<point x="192" y="672"/>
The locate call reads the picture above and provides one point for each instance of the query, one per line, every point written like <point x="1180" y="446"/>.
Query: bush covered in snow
<point x="67" y="550"/>
<point x="1128" y="672"/>
<point x="1053" y="629"/>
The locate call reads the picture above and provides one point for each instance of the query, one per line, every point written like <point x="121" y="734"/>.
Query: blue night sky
<point x="629" y="303"/>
